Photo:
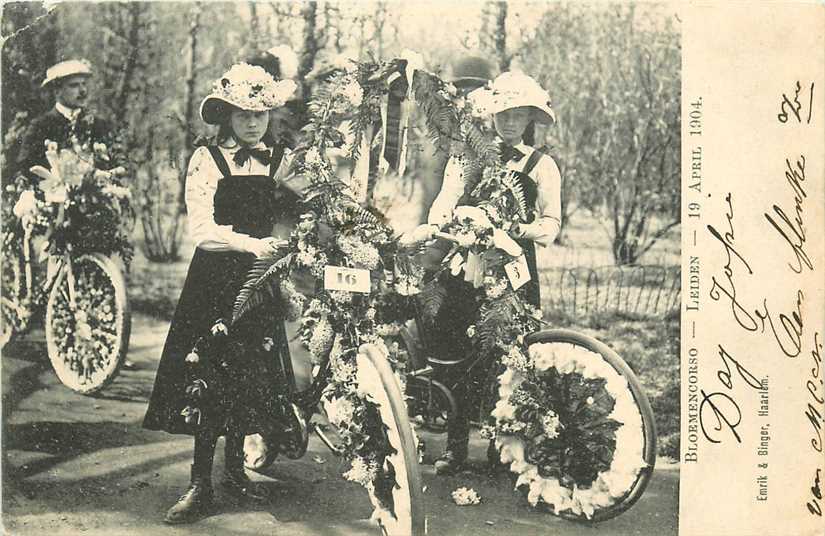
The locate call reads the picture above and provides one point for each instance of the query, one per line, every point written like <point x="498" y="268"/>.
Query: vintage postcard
<point x="408" y="268"/>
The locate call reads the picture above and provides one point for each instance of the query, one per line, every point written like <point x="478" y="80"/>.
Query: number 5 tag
<point x="518" y="272"/>
<point x="346" y="279"/>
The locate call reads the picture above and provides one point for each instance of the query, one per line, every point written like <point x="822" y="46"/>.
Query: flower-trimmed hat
<point x="247" y="87"/>
<point x="65" y="69"/>
<point x="513" y="90"/>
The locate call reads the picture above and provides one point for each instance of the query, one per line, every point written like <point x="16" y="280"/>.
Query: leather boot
<point x="235" y="480"/>
<point x="194" y="503"/>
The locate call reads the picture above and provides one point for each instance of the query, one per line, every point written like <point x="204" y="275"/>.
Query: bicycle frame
<point x="60" y="263"/>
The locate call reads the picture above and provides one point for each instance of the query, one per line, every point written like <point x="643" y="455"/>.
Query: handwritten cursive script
<point x="724" y="408"/>
<point x="740" y="314"/>
<point x="816" y="490"/>
<point x="793" y="231"/>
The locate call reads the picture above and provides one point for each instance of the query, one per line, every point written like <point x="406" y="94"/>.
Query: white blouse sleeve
<point x="548" y="204"/>
<point x="289" y="177"/>
<point x="202" y="178"/>
<point x="452" y="187"/>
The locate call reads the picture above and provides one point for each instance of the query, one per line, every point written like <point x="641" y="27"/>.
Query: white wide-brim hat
<point x="66" y="68"/>
<point x="247" y="87"/>
<point x="513" y="90"/>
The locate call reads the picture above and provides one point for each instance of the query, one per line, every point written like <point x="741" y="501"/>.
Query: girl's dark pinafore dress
<point x="460" y="309"/>
<point x="242" y="376"/>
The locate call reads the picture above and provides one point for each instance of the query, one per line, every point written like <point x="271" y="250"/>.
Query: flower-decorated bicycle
<point x="570" y="418"/>
<point x="76" y="218"/>
<point x="335" y="274"/>
<point x="566" y="413"/>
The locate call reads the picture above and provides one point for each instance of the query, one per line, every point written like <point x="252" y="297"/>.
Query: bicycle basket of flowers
<point x="78" y="205"/>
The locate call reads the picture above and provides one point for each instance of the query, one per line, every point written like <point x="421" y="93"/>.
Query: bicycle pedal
<point x="422" y="372"/>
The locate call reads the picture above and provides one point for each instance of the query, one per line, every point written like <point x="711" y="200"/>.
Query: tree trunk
<point x="309" y="13"/>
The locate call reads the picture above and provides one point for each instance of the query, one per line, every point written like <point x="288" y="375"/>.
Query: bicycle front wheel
<point x="406" y="516"/>
<point x="576" y="427"/>
<point x="87" y="330"/>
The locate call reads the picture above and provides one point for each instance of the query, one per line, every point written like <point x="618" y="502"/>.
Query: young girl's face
<point x="510" y="124"/>
<point x="248" y="127"/>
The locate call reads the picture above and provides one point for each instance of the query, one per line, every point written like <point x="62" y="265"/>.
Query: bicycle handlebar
<point x="446" y="236"/>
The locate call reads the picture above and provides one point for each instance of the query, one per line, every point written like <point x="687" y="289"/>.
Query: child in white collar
<point x="514" y="100"/>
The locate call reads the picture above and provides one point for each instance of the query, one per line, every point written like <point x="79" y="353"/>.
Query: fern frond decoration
<point x="431" y="298"/>
<point x="514" y="187"/>
<point x="262" y="280"/>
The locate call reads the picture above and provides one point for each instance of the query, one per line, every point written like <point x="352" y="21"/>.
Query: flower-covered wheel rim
<point x="15" y="313"/>
<point x="87" y="340"/>
<point x="576" y="429"/>
<point x="397" y="499"/>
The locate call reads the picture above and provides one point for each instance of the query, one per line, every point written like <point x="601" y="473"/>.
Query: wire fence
<point x="649" y="290"/>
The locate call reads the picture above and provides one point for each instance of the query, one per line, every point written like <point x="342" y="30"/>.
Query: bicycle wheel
<point x="407" y="514"/>
<point x="87" y="343"/>
<point x="14" y="311"/>
<point x="430" y="402"/>
<point x="576" y="426"/>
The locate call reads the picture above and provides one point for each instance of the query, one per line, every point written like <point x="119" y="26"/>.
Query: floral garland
<point x="573" y="459"/>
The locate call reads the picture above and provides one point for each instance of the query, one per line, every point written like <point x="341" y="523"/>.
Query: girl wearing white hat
<point x="514" y="100"/>
<point x="235" y="195"/>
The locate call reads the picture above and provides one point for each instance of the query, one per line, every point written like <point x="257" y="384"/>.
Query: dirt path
<point x="83" y="465"/>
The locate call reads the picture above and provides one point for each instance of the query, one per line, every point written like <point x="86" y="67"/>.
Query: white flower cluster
<point x="362" y="472"/>
<point x="341" y="297"/>
<point x="321" y="338"/>
<point x="466" y="497"/>
<point x="348" y="94"/>
<point x="494" y="288"/>
<point x="407" y="285"/>
<point x="313" y="157"/>
<point x="343" y="372"/>
<point x="515" y="359"/>
<point x="487" y="431"/>
<point x="359" y="252"/>
<point x="551" y="424"/>
<point x="309" y="256"/>
<point x="339" y="411"/>
<point x="250" y="87"/>
<point x="293" y="299"/>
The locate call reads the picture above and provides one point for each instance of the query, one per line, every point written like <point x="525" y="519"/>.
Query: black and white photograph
<point x="347" y="268"/>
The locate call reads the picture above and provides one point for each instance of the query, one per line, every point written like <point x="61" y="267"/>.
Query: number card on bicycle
<point x="518" y="272"/>
<point x="346" y="279"/>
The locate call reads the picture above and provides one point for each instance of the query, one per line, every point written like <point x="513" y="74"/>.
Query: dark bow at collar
<point x="508" y="153"/>
<point x="245" y="153"/>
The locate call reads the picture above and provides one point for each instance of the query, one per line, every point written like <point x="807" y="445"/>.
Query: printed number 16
<point x="347" y="279"/>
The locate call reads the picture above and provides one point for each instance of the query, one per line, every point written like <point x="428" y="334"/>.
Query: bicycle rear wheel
<point x="581" y="434"/>
<point x="407" y="514"/>
<point x="13" y="312"/>
<point x="87" y="343"/>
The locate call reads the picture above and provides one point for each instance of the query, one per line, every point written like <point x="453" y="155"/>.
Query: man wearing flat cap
<point x="67" y="81"/>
